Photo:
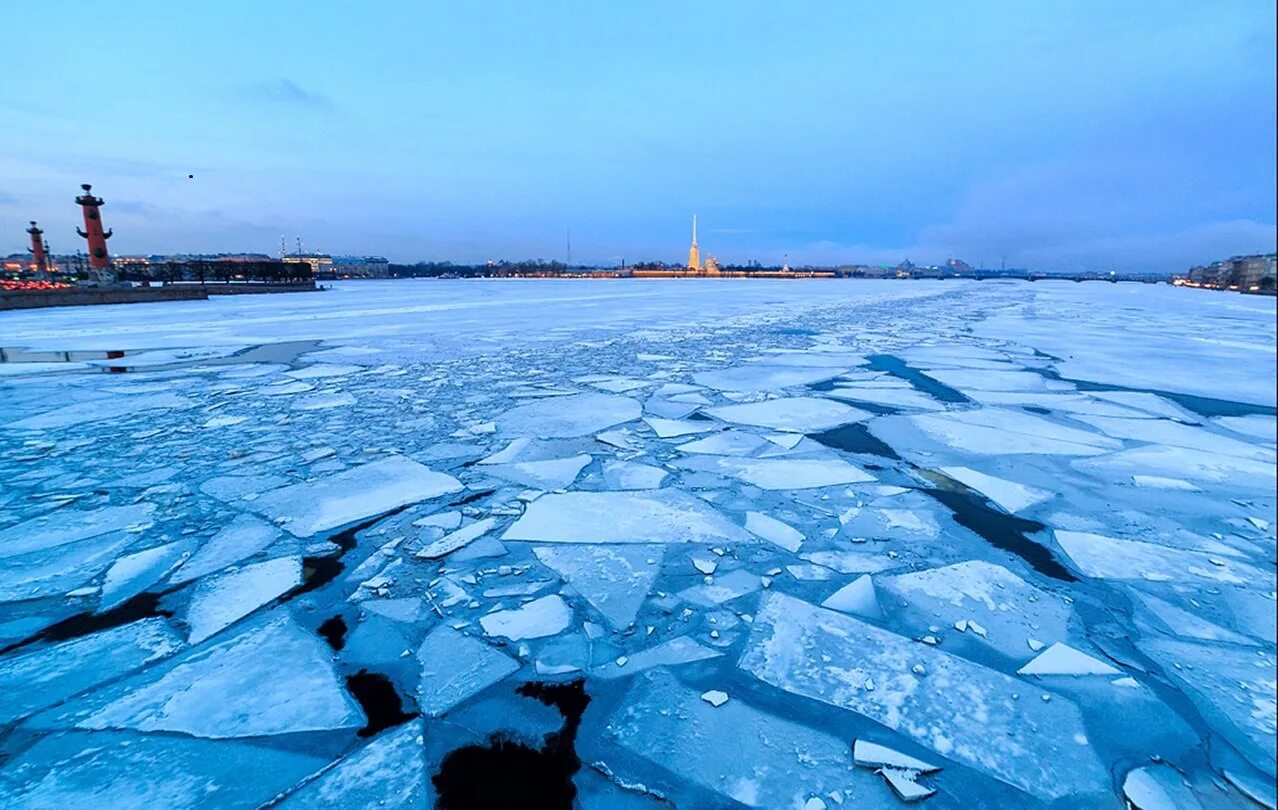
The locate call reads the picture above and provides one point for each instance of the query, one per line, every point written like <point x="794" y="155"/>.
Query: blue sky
<point x="1080" y="135"/>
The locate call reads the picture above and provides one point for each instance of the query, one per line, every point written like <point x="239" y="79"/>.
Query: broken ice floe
<point x="33" y="680"/>
<point x="734" y="751"/>
<point x="118" y="770"/>
<point x="801" y="414"/>
<point x="536" y="619"/>
<point x="1062" y="659"/>
<point x="346" y="497"/>
<point x="217" y="602"/>
<point x="389" y="771"/>
<point x="282" y="678"/>
<point x="1005" y="729"/>
<point x="568" y="417"/>
<point x="615" y="580"/>
<point x="657" y="516"/>
<point x="454" y="667"/>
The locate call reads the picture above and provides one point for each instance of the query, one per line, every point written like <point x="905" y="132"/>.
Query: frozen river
<point x="641" y="544"/>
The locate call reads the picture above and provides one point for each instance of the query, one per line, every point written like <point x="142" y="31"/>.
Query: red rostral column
<point x="37" y="248"/>
<point x="93" y="232"/>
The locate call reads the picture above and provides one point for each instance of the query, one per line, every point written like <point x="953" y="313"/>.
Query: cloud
<point x="286" y="92"/>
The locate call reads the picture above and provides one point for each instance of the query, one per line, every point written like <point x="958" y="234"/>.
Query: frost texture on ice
<point x="658" y="516"/>
<point x="568" y="417"/>
<point x="43" y="677"/>
<point x="148" y="772"/>
<point x="70" y="526"/>
<point x="734" y="750"/>
<point x="1234" y="688"/>
<point x="455" y="667"/>
<point x="346" y="497"/>
<point x="388" y="772"/>
<point x="1006" y="606"/>
<point x="615" y="580"/>
<point x="282" y="679"/>
<point x="1036" y="745"/>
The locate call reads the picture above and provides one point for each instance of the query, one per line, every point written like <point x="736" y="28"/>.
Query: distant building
<point x="321" y="264"/>
<point x="360" y="267"/>
<point x="1251" y="274"/>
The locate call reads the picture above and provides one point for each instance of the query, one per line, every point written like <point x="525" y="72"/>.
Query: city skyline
<point x="833" y="135"/>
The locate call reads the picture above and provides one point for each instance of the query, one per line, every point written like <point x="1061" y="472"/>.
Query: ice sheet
<point x="346" y="497"/>
<point x="1037" y="745"/>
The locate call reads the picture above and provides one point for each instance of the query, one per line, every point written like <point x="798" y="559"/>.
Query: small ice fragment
<point x="715" y="697"/>
<point x="1061" y="659"/>
<point x="904" y="786"/>
<point x="872" y="755"/>
<point x="774" y="531"/>
<point x="856" y="597"/>
<point x="704" y="565"/>
<point x="451" y="542"/>
<point x="537" y="619"/>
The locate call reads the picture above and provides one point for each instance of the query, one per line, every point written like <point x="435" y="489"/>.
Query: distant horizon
<point x="1073" y="137"/>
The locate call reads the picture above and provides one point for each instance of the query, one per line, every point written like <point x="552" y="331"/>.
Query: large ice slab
<point x="1008" y="609"/>
<point x="539" y="618"/>
<point x="1234" y="688"/>
<point x="101" y="410"/>
<point x="615" y="580"/>
<point x="802" y="414"/>
<point x="568" y="417"/>
<point x="388" y="772"/>
<point x="361" y="492"/>
<point x="676" y="651"/>
<point x="43" y="677"/>
<point x="132" y="574"/>
<point x="1009" y="495"/>
<point x="999" y="431"/>
<point x="996" y="724"/>
<point x="241" y="538"/>
<point x="1104" y="557"/>
<point x="656" y="516"/>
<point x="455" y="667"/>
<point x="736" y="751"/>
<point x="70" y="526"/>
<point x="61" y="569"/>
<point x="218" y="602"/>
<point x="554" y="473"/>
<point x="764" y="377"/>
<point x="125" y="771"/>
<point x="271" y="678"/>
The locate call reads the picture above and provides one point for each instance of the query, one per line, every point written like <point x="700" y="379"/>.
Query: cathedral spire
<point x="694" y="253"/>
